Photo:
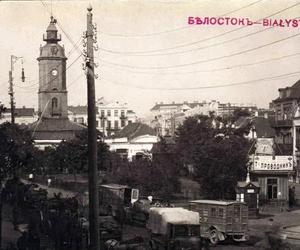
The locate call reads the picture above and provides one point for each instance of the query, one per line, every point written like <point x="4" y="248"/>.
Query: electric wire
<point x="204" y="71"/>
<point x="195" y="42"/>
<point x="175" y="29"/>
<point x="203" y="61"/>
<point x="210" y="85"/>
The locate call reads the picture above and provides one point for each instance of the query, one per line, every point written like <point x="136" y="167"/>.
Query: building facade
<point x="287" y="125"/>
<point x="113" y="116"/>
<point x="168" y="116"/>
<point x="135" y="140"/>
<point x="272" y="172"/>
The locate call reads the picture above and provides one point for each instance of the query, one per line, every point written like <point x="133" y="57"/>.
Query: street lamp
<point x="13" y="60"/>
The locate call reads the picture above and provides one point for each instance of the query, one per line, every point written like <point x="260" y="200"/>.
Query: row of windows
<point x="102" y="123"/>
<point x="116" y="112"/>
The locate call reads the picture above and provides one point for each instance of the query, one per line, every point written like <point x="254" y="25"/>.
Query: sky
<point x="149" y="53"/>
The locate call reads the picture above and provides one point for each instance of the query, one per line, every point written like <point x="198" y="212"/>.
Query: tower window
<point x="54" y="102"/>
<point x="55" y="111"/>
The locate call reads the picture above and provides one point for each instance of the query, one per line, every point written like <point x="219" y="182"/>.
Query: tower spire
<point x="51" y="32"/>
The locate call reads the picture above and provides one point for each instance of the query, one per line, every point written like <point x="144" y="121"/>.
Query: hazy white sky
<point x="138" y="63"/>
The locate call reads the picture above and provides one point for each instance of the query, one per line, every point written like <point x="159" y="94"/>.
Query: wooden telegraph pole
<point x="92" y="136"/>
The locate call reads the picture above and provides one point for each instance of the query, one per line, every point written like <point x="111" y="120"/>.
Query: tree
<point x="72" y="155"/>
<point x="16" y="149"/>
<point x="157" y="177"/>
<point x="217" y="153"/>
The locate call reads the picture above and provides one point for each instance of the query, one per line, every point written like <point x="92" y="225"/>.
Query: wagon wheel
<point x="213" y="236"/>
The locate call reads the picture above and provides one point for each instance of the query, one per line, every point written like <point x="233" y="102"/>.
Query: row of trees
<point x="216" y="151"/>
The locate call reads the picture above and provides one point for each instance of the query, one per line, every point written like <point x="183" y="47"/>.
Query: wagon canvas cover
<point x="160" y="217"/>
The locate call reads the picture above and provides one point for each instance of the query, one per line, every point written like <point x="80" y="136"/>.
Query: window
<point x="108" y="124"/>
<point x="116" y="125"/>
<point x="54" y="106"/>
<point x="102" y="113"/>
<point x="54" y="102"/>
<point x="213" y="212"/>
<point x="108" y="113"/>
<point x="272" y="190"/>
<point x="181" y="230"/>
<point x="122" y="123"/>
<point x="122" y="113"/>
<point x="237" y="211"/>
<point x="221" y="212"/>
<point x="80" y="120"/>
<point x="116" y="112"/>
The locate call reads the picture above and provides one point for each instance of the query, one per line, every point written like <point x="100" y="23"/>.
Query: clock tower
<point x="53" y="124"/>
<point x="52" y="76"/>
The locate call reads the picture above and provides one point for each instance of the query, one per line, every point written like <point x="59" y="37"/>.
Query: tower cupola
<point x="51" y="32"/>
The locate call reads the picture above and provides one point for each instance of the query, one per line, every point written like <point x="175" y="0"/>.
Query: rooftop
<point x="19" y="112"/>
<point x="133" y="130"/>
<point x="55" y="129"/>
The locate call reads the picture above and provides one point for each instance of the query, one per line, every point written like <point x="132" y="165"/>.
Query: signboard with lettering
<point x="273" y="163"/>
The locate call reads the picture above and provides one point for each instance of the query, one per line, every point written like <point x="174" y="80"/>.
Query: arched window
<point x="54" y="103"/>
<point x="54" y="106"/>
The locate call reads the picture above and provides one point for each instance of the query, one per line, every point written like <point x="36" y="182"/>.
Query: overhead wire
<point x="175" y="29"/>
<point x="195" y="42"/>
<point x="206" y="60"/>
<point x="204" y="71"/>
<point x="209" y="85"/>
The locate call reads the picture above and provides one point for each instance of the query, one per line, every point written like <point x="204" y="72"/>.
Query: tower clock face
<point x="54" y="72"/>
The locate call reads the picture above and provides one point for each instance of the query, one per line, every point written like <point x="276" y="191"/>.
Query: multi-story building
<point x="167" y="116"/>
<point x="285" y="107"/>
<point x="286" y="124"/>
<point x="113" y="116"/>
<point x="79" y="114"/>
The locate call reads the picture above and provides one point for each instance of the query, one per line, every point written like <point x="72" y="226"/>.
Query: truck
<point x="115" y="199"/>
<point x="221" y="219"/>
<point x="174" y="228"/>
<point x="138" y="214"/>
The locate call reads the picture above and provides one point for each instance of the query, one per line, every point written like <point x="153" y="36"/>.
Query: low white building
<point x="133" y="141"/>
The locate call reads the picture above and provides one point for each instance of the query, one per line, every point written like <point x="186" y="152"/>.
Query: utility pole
<point x="92" y="135"/>
<point x="13" y="60"/>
